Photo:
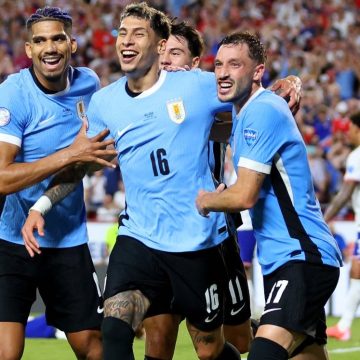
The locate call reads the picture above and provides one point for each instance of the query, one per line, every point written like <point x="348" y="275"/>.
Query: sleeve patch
<point x="4" y="116"/>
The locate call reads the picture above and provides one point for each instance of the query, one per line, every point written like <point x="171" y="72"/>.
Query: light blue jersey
<point x="162" y="139"/>
<point x="287" y="219"/>
<point x="41" y="124"/>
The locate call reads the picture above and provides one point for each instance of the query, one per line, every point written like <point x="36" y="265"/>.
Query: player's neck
<point x="138" y="83"/>
<point x="49" y="87"/>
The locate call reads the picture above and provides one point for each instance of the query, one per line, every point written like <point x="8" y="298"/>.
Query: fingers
<point x="101" y="136"/>
<point x="220" y="188"/>
<point x="34" y="221"/>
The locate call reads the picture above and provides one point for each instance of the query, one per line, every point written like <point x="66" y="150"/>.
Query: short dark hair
<point x="159" y="22"/>
<point x="355" y="118"/>
<point x="257" y="51"/>
<point x="193" y="37"/>
<point x="50" y="13"/>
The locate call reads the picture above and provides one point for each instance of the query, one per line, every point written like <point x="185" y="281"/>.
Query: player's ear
<point x="161" y="46"/>
<point x="28" y="50"/>
<point x="259" y="72"/>
<point x="73" y="45"/>
<point x="195" y="62"/>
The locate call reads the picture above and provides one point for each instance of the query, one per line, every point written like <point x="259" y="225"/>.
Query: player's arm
<point x="240" y="196"/>
<point x="342" y="197"/>
<point x="62" y="184"/>
<point x="290" y="89"/>
<point x="16" y="176"/>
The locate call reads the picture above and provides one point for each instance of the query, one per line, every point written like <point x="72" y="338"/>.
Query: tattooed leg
<point x="211" y="345"/>
<point x="123" y="314"/>
<point x="129" y="306"/>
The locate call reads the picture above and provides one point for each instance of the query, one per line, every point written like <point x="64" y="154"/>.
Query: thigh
<point x="70" y="289"/>
<point x="18" y="282"/>
<point x="133" y="266"/>
<point x="237" y="298"/>
<point x="295" y="296"/>
<point x="197" y="280"/>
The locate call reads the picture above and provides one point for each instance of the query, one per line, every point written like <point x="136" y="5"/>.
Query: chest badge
<point x="176" y="110"/>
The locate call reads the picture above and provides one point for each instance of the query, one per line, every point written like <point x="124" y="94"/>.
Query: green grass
<point x="49" y="349"/>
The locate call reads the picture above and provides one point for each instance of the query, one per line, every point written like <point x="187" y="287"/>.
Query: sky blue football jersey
<point x="162" y="141"/>
<point x="287" y="218"/>
<point x="41" y="124"/>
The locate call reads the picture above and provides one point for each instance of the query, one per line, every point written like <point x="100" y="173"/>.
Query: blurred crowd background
<point x="319" y="41"/>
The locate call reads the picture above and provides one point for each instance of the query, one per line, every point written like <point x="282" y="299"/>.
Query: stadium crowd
<point x="316" y="40"/>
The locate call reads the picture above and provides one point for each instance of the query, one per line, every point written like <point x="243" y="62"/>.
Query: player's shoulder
<point x="269" y="104"/>
<point x="191" y="75"/>
<point x="110" y="89"/>
<point x="15" y="81"/>
<point x="84" y="72"/>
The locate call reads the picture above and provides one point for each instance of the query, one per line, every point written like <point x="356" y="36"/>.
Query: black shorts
<point x="295" y="296"/>
<point x="187" y="283"/>
<point x="66" y="280"/>
<point x="237" y="297"/>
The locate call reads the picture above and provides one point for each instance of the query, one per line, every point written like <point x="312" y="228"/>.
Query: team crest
<point x="80" y="108"/>
<point x="4" y="116"/>
<point x="176" y="110"/>
<point x="250" y="136"/>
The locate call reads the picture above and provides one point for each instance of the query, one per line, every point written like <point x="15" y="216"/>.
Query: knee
<point x="10" y="354"/>
<point x="87" y="346"/>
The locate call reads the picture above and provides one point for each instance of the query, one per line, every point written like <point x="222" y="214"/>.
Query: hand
<point x="200" y="203"/>
<point x="290" y="90"/>
<point x="34" y="221"/>
<point x="204" y="196"/>
<point x="92" y="150"/>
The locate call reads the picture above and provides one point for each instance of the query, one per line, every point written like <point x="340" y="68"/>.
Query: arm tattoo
<point x="59" y="192"/>
<point x="64" y="182"/>
<point x="129" y="306"/>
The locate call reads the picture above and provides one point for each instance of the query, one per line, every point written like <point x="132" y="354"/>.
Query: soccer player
<point x="298" y="255"/>
<point x="350" y="189"/>
<point x="41" y="115"/>
<point x="183" y="49"/>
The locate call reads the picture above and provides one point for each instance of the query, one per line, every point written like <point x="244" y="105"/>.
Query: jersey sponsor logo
<point x="250" y="136"/>
<point x="176" y="110"/>
<point x="233" y="312"/>
<point x="4" y="116"/>
<point x="271" y="310"/>
<point x="210" y="319"/>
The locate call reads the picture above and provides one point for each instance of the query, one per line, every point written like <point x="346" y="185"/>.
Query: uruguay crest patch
<point x="250" y="136"/>
<point x="176" y="110"/>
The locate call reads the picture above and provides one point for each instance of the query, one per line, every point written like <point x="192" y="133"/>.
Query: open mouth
<point x="51" y="62"/>
<point x="128" y="55"/>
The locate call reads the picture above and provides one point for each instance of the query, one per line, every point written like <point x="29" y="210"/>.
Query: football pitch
<point x="52" y="349"/>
